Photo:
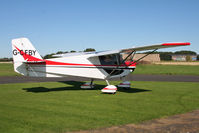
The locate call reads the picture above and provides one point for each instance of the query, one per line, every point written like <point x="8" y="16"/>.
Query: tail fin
<point x="23" y="51"/>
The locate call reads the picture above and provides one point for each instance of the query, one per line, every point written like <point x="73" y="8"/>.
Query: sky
<point x="65" y="25"/>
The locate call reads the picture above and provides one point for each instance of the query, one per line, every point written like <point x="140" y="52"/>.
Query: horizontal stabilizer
<point x="33" y="62"/>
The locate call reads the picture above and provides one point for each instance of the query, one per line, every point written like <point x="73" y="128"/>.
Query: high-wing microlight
<point x="94" y="65"/>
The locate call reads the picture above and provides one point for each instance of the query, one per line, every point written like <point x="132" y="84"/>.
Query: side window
<point x="108" y="60"/>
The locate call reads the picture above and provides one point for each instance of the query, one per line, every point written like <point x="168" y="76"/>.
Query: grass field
<point x="7" y="70"/>
<point x="167" y="69"/>
<point x="57" y="107"/>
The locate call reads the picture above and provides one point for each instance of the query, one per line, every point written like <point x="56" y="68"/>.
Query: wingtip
<point x="177" y="44"/>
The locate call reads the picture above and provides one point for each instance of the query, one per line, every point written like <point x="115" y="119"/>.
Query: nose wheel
<point x="109" y="89"/>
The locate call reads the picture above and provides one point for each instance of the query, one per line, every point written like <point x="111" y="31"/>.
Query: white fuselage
<point x="80" y="65"/>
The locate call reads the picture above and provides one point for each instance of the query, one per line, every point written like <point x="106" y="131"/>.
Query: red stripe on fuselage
<point x="48" y="62"/>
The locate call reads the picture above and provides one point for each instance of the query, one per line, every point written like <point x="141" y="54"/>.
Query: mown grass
<point x="167" y="69"/>
<point x="7" y="69"/>
<point x="57" y="107"/>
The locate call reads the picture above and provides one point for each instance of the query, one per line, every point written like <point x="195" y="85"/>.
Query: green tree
<point x="48" y="56"/>
<point x="166" y="56"/>
<point x="5" y="59"/>
<point x="60" y="52"/>
<point x="184" y="52"/>
<point x="89" y="50"/>
<point x="72" y="51"/>
<point x="188" y="58"/>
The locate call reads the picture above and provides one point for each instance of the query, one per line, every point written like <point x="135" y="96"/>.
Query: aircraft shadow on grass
<point x="76" y="86"/>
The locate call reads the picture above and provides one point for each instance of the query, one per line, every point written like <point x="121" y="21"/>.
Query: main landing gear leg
<point x="109" y="89"/>
<point x="88" y="85"/>
<point x="124" y="84"/>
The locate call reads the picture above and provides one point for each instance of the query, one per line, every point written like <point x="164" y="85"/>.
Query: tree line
<point x="62" y="52"/>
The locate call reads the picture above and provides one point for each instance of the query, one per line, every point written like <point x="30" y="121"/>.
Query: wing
<point x="157" y="46"/>
<point x="143" y="48"/>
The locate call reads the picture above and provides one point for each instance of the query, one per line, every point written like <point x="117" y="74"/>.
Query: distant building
<point x="149" y="58"/>
<point x="184" y="57"/>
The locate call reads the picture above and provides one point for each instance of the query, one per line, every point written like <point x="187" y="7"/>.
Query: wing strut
<point x="142" y="56"/>
<point x="128" y="56"/>
<point x="146" y="55"/>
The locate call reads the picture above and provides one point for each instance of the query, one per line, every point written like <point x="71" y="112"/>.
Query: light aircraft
<point x="94" y="65"/>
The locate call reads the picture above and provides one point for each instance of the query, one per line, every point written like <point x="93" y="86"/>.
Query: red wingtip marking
<point x="177" y="44"/>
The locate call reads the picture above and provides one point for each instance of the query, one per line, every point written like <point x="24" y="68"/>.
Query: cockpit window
<point x="114" y="59"/>
<point x="108" y="60"/>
